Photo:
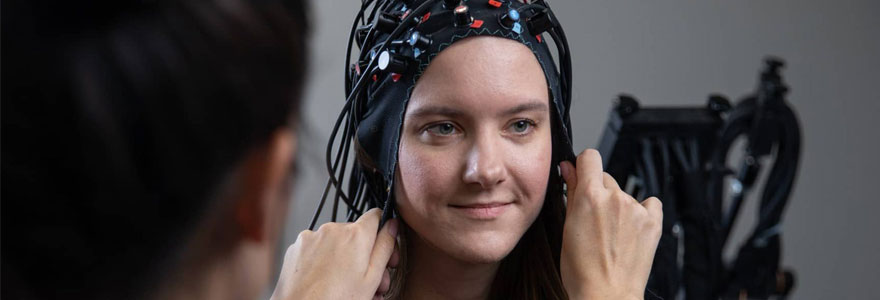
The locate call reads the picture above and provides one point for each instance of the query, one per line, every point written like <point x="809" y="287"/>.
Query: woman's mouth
<point x="482" y="211"/>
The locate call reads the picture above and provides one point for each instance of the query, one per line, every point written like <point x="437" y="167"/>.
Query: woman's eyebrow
<point x="434" y="110"/>
<point x="531" y="106"/>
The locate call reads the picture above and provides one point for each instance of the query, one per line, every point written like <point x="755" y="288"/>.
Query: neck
<point x="434" y="274"/>
<point x="211" y="282"/>
<point x="216" y="264"/>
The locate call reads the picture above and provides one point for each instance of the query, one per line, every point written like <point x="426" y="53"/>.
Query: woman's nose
<point x="485" y="164"/>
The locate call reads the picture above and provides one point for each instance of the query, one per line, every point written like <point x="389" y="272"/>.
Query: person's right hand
<point x="340" y="261"/>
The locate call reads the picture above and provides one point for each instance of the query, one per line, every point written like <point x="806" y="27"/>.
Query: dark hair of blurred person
<point x="146" y="145"/>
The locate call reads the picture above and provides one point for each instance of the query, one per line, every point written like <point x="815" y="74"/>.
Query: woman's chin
<point x="480" y="250"/>
<point x="479" y="243"/>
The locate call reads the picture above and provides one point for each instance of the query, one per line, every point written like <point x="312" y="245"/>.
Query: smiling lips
<point x="482" y="211"/>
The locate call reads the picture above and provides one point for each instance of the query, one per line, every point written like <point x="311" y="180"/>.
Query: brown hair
<point x="531" y="270"/>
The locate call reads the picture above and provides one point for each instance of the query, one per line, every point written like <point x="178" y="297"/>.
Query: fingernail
<point x="564" y="168"/>
<point x="392" y="227"/>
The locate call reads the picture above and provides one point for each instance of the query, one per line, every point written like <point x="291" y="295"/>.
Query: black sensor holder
<point x="680" y="154"/>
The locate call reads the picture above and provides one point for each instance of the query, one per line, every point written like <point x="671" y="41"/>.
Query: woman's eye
<point x="442" y="129"/>
<point x="521" y="126"/>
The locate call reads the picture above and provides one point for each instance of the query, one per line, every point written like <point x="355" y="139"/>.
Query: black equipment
<point x="681" y="156"/>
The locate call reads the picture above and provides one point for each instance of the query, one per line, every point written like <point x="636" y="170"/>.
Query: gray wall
<point x="676" y="52"/>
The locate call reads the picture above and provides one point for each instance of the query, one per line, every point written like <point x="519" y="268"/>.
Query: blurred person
<point x="148" y="151"/>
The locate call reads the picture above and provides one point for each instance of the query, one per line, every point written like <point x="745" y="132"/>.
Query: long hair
<point x="531" y="270"/>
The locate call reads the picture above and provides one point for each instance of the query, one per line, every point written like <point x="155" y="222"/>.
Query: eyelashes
<point x="522" y="126"/>
<point x="517" y="127"/>
<point x="442" y="129"/>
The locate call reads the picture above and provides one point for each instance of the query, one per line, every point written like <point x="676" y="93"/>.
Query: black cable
<point x="346" y="114"/>
<point x="784" y="169"/>
<point x="736" y="124"/>
<point x="320" y="205"/>
<point x="694" y="149"/>
<point x="345" y="134"/>
<point x="346" y="146"/>
<point x="663" y="144"/>
<point x="652" y="183"/>
<point x="678" y="149"/>
<point x="640" y="174"/>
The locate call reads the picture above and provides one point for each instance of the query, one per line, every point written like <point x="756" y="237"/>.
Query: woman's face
<point x="475" y="150"/>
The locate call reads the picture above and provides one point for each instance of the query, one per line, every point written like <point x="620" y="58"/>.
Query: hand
<point x="609" y="239"/>
<point x="340" y="261"/>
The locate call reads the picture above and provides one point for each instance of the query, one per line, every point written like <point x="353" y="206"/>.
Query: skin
<point x="476" y="132"/>
<point x="339" y="261"/>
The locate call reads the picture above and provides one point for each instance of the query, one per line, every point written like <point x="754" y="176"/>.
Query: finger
<point x="382" y="250"/>
<point x="394" y="261"/>
<point x="655" y="208"/>
<point x="568" y="175"/>
<point x="589" y="168"/>
<point x="370" y="219"/>
<point x="385" y="284"/>
<point x="609" y="182"/>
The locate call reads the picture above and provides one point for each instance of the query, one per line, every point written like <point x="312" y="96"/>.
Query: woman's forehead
<point x="482" y="73"/>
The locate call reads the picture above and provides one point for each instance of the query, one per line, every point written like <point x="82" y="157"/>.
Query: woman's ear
<point x="261" y="201"/>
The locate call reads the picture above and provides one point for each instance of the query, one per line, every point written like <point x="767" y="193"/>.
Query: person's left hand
<point x="609" y="239"/>
<point x="340" y="261"/>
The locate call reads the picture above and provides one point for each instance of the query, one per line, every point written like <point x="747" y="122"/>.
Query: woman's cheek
<point x="533" y="165"/>
<point x="426" y="174"/>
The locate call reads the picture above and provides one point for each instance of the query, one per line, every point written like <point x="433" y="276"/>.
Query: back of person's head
<point x="122" y="123"/>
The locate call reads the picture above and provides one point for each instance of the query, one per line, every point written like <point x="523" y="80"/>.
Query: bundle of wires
<point x="685" y="156"/>
<point x="772" y="130"/>
<point x="396" y="40"/>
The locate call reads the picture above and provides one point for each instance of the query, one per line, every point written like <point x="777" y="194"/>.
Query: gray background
<point x="677" y="52"/>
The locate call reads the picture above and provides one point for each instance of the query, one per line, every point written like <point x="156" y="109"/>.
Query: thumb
<point x="569" y="175"/>
<point x="382" y="250"/>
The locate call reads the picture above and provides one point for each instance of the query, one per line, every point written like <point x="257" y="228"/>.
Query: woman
<point x="463" y="128"/>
